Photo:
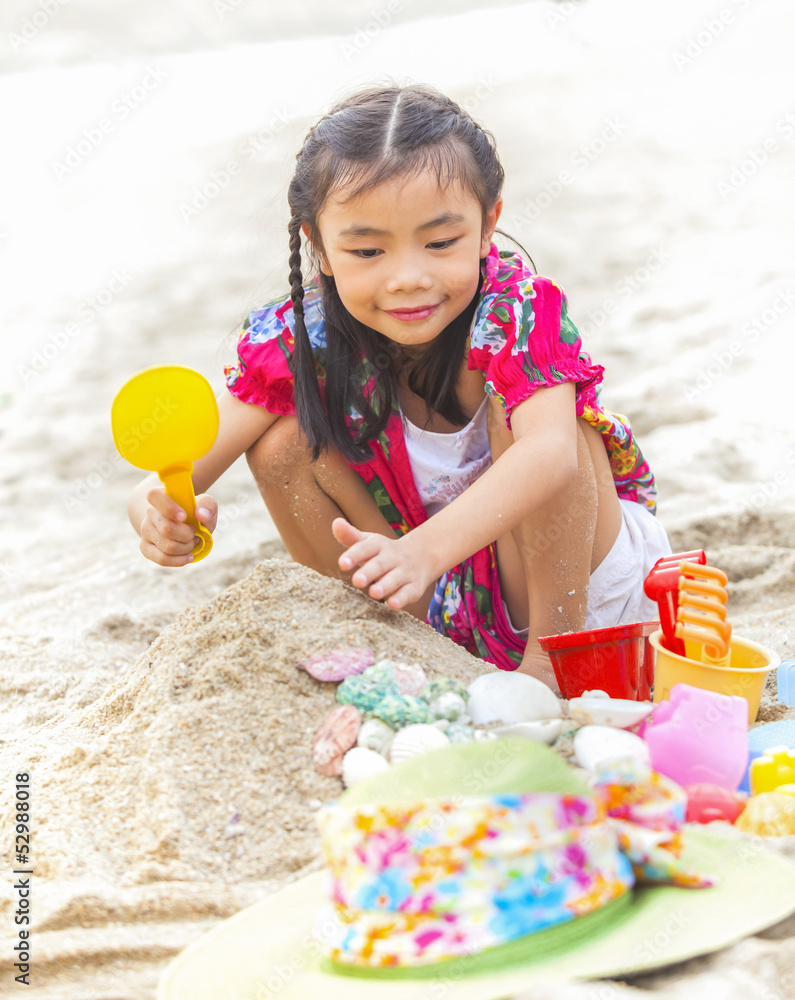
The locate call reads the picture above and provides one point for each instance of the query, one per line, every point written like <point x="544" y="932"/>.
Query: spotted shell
<point x="449" y="705"/>
<point x="335" y="737"/>
<point x="398" y="710"/>
<point x="416" y="739"/>
<point x="457" y="732"/>
<point x="363" y="693"/>
<point x="441" y="686"/>
<point x="411" y="677"/>
<point x="769" y="813"/>
<point x="360" y="763"/>
<point x="337" y="664"/>
<point x="382" y="672"/>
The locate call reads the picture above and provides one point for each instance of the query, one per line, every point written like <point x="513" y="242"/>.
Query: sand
<point x="683" y="291"/>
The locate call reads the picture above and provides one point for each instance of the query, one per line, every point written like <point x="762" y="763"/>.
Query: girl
<point x="421" y="420"/>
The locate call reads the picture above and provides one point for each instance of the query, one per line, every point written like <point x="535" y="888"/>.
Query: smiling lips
<point x="418" y="312"/>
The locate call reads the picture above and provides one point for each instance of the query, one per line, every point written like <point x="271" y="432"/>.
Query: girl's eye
<point x="442" y="244"/>
<point x="367" y="254"/>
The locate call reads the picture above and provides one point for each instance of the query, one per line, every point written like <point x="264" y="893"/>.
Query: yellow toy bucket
<point x="749" y="665"/>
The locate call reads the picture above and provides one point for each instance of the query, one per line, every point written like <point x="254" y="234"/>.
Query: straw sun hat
<point x="473" y="871"/>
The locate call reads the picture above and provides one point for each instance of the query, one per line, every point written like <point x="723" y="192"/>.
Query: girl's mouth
<point x="418" y="312"/>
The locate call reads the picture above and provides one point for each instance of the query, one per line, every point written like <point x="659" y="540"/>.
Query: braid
<point x="308" y="402"/>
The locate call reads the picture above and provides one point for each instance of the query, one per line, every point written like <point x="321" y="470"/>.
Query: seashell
<point x="360" y="763"/>
<point x="411" y="678"/>
<point x="382" y="673"/>
<point x="449" y="705"/>
<point x="770" y="813"/>
<point x="443" y="685"/>
<point x="336" y="735"/>
<point x="363" y="693"/>
<point x="399" y="710"/>
<point x="337" y="664"/>
<point x="598" y="708"/>
<point x="457" y="732"/>
<point x="541" y="731"/>
<point x="510" y="697"/>
<point x="375" y="735"/>
<point x="599" y="748"/>
<point x="416" y="739"/>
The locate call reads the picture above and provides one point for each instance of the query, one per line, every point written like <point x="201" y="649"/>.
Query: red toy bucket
<point x="619" y="661"/>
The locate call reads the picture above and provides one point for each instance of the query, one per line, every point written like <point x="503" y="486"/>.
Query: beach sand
<point x="159" y="713"/>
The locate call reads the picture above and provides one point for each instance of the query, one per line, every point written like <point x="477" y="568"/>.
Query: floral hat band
<point x="410" y="883"/>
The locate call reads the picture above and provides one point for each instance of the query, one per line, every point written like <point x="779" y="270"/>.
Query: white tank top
<point x="445" y="464"/>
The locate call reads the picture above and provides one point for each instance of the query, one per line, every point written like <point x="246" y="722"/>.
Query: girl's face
<point x="405" y="255"/>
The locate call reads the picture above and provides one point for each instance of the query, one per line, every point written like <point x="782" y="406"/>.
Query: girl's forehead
<point x="410" y="196"/>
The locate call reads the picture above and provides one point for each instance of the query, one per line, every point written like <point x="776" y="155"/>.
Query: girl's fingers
<point x="162" y="502"/>
<point x="385" y="586"/>
<point x="157" y="555"/>
<point x="345" y="533"/>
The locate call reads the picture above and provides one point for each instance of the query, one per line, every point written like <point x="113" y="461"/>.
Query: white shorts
<point x="615" y="589"/>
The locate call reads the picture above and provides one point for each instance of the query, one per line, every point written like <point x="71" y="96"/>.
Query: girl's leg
<point x="545" y="563"/>
<point x="303" y="498"/>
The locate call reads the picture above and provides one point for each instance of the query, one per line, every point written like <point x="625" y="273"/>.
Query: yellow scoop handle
<point x="163" y="420"/>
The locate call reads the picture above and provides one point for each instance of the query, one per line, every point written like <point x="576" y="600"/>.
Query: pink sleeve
<point x="541" y="346"/>
<point x="262" y="374"/>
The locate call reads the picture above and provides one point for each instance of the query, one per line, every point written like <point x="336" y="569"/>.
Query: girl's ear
<point x="324" y="265"/>
<point x="489" y="226"/>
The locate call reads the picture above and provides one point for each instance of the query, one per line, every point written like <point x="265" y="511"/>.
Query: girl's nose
<point x="408" y="274"/>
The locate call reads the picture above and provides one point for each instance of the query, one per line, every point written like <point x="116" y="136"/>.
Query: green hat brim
<point x="268" y="950"/>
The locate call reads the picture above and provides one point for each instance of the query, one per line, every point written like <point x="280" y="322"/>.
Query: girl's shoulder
<point x="276" y="321"/>
<point x="517" y="308"/>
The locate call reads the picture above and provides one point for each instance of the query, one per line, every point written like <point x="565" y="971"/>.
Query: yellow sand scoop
<point x="163" y="420"/>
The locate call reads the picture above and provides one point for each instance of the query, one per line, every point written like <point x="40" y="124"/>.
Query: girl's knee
<point x="280" y="450"/>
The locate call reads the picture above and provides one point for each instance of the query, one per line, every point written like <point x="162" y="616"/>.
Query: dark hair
<point x="377" y="134"/>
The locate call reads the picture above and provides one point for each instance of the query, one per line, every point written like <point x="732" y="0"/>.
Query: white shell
<point x="360" y="763"/>
<point x="543" y="731"/>
<point x="510" y="697"/>
<point x="375" y="735"/>
<point x="416" y="739"/>
<point x="598" y="746"/>
<point x="598" y="708"/>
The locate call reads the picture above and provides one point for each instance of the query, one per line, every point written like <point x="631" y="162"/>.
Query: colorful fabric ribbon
<point x="415" y="883"/>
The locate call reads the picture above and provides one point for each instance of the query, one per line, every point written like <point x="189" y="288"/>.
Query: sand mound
<point x="197" y="765"/>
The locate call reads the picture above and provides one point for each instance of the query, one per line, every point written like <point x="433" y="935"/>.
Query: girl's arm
<point x="540" y="463"/>
<point x="165" y="538"/>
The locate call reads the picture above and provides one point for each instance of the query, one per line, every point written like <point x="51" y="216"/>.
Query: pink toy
<point x="707" y="803"/>
<point x="699" y="736"/>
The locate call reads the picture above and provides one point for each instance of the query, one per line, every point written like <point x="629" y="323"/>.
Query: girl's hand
<point x="165" y="537"/>
<point x="388" y="568"/>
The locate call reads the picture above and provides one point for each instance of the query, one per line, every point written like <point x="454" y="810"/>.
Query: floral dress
<point x="521" y="340"/>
